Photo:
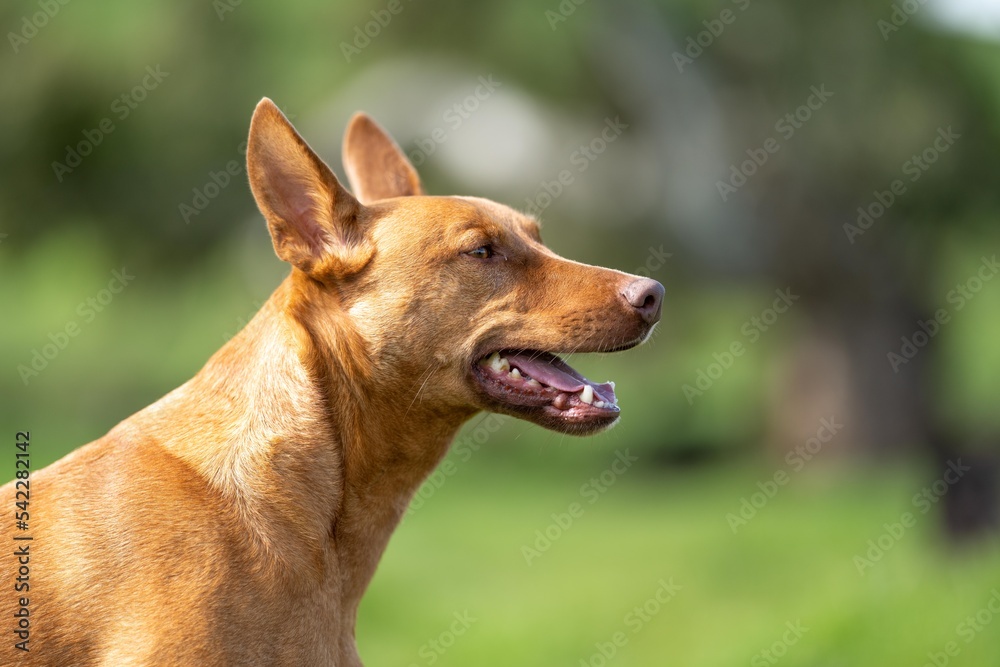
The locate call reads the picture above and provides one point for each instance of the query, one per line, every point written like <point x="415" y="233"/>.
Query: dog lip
<point x="485" y="350"/>
<point x="629" y="345"/>
<point x="548" y="392"/>
<point x="545" y="367"/>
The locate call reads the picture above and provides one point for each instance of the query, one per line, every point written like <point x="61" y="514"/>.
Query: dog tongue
<point x="557" y="374"/>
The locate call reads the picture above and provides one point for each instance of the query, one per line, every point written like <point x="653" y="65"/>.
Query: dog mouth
<point x="543" y="388"/>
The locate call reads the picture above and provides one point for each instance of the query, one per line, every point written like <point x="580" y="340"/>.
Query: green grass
<point x="793" y="562"/>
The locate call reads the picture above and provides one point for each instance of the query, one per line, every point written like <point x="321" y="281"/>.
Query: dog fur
<point x="239" y="519"/>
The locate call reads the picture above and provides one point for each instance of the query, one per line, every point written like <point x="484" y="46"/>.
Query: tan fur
<point x="239" y="519"/>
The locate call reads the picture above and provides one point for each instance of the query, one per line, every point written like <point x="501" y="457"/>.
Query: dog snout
<point x="646" y="296"/>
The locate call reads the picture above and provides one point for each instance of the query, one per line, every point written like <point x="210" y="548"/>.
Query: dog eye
<point x="482" y="252"/>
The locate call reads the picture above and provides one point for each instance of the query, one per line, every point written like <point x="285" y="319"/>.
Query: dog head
<point x="452" y="303"/>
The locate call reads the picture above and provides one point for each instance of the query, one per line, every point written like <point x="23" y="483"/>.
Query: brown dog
<point x="239" y="519"/>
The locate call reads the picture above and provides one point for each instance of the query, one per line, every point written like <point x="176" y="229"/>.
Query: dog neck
<point x="316" y="461"/>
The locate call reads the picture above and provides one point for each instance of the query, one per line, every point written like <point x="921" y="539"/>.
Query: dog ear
<point x="313" y="220"/>
<point x="376" y="167"/>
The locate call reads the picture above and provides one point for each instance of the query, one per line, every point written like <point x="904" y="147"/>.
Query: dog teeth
<point x="498" y="364"/>
<point x="514" y="373"/>
<point x="559" y="402"/>
<point x="587" y="395"/>
<point x="599" y="404"/>
<point x="532" y="382"/>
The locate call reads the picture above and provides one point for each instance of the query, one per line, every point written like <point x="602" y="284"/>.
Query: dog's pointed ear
<point x="314" y="222"/>
<point x="376" y="167"/>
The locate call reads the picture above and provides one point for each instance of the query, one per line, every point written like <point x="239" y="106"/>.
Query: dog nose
<point x="646" y="296"/>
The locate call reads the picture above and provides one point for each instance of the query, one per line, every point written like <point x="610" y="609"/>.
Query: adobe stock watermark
<point x="365" y="34"/>
<point x="655" y="261"/>
<point x="922" y="502"/>
<point x="591" y="491"/>
<point x="217" y="181"/>
<point x="786" y="127"/>
<point x="87" y="310"/>
<point x="779" y="648"/>
<point x="901" y="14"/>
<point x="581" y="158"/>
<point x="967" y="630"/>
<point x="562" y="12"/>
<point x="697" y="44"/>
<point x="31" y="25"/>
<point x="121" y="108"/>
<point x="752" y="330"/>
<point x="796" y="460"/>
<point x="431" y="651"/>
<point x="224" y="7"/>
<point x="913" y="168"/>
<point x="461" y="452"/>
<point x="959" y="297"/>
<point x="244" y="320"/>
<point x="454" y="117"/>
<point x="213" y="186"/>
<point x="634" y="621"/>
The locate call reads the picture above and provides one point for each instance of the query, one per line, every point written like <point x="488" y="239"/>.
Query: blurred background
<point x="806" y="470"/>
